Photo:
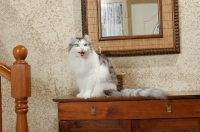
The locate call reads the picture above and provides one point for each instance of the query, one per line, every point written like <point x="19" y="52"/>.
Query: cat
<point x="95" y="74"/>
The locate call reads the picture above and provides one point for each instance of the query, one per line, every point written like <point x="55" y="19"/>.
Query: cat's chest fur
<point x="83" y="66"/>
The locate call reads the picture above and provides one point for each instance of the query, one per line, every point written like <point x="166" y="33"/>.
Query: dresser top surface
<point x="171" y="96"/>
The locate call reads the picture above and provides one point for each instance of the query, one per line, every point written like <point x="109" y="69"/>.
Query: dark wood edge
<point x="109" y="99"/>
<point x="174" y="50"/>
<point x="130" y="37"/>
<point x="84" y="17"/>
<point x="176" y="26"/>
<point x="141" y="52"/>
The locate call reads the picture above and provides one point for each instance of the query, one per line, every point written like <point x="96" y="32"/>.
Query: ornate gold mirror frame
<point x="168" y="44"/>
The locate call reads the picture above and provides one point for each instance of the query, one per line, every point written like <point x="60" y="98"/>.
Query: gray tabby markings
<point x="104" y="61"/>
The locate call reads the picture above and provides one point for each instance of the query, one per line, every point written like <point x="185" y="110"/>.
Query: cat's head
<point x="80" y="46"/>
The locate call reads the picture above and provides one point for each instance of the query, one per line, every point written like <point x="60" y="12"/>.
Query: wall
<point x="44" y="27"/>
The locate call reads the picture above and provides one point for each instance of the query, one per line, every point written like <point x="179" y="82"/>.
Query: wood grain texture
<point x="172" y="125"/>
<point x="19" y="75"/>
<point x="130" y="115"/>
<point x="5" y="71"/>
<point x="171" y="96"/>
<point x="95" y="126"/>
<point x="129" y="109"/>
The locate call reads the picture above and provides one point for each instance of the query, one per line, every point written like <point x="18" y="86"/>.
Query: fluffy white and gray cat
<point x="95" y="75"/>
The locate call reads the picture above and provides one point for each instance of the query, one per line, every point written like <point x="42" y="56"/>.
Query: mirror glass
<point x="128" y="17"/>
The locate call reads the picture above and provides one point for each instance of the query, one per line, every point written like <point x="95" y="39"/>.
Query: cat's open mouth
<point x="81" y="53"/>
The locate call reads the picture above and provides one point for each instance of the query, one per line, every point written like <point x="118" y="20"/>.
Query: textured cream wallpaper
<point x="44" y="27"/>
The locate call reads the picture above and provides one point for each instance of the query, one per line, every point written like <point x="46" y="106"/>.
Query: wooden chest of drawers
<point x="179" y="113"/>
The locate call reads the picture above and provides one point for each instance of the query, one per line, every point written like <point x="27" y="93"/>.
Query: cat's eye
<point x="85" y="44"/>
<point x="76" y="45"/>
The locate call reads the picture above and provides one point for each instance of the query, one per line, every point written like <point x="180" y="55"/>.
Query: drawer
<point x="166" y="125"/>
<point x="129" y="109"/>
<point x="95" y="126"/>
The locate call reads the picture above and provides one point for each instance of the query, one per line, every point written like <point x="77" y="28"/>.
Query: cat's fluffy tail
<point x="144" y="92"/>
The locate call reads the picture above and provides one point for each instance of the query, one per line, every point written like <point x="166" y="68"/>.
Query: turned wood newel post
<point x="21" y="86"/>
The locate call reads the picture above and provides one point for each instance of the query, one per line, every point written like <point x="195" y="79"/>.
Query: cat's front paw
<point x="79" y="95"/>
<point x="86" y="96"/>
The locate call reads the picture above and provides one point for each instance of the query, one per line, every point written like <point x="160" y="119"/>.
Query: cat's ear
<point x="72" y="39"/>
<point x="87" y="38"/>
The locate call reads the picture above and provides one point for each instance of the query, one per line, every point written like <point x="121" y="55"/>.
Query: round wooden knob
<point x="20" y="52"/>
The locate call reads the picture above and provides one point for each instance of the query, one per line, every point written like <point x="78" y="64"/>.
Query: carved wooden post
<point x="21" y="87"/>
<point x="0" y="108"/>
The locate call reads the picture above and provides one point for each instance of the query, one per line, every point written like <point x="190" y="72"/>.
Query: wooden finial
<point x="20" y="52"/>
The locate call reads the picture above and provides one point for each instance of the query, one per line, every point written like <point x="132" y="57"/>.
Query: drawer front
<point x="129" y="109"/>
<point x="95" y="126"/>
<point x="166" y="125"/>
